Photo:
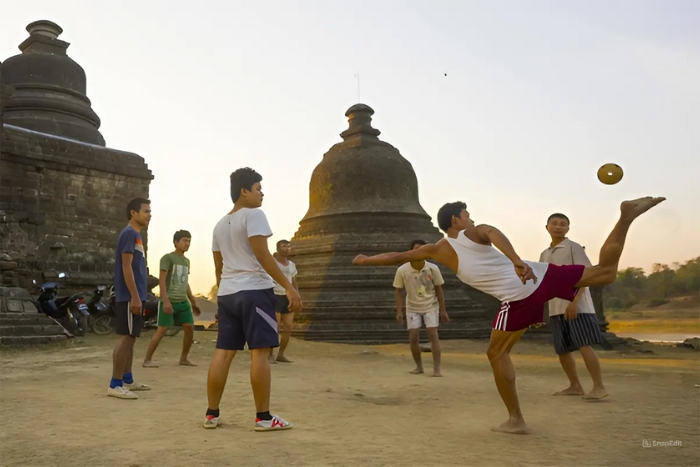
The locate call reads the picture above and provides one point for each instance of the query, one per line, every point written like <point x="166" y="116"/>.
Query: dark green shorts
<point x="182" y="314"/>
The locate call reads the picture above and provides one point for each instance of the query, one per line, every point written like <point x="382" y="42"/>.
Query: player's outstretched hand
<point x="294" y="300"/>
<point x="359" y="260"/>
<point x="524" y="272"/>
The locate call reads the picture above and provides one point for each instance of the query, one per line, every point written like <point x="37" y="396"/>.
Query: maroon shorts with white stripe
<point x="558" y="282"/>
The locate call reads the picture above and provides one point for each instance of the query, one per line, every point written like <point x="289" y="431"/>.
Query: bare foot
<point x="187" y="363"/>
<point x="149" y="364"/>
<point x="596" y="394"/>
<point x="273" y="361"/>
<point x="636" y="207"/>
<point x="283" y="359"/>
<point x="417" y="371"/>
<point x="514" y="427"/>
<point x="571" y="391"/>
<point x="437" y="374"/>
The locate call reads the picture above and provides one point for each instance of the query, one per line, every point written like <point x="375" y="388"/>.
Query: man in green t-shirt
<point x="177" y="303"/>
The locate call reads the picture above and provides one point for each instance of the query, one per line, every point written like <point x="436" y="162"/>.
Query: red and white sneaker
<point x="211" y="421"/>
<point x="276" y="423"/>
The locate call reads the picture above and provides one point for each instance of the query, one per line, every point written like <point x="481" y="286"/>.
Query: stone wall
<point x="62" y="205"/>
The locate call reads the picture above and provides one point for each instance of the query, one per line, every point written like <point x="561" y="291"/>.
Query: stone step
<point x="339" y="326"/>
<point x="19" y="319"/>
<point x="343" y="317"/>
<point x="31" y="330"/>
<point x="31" y="340"/>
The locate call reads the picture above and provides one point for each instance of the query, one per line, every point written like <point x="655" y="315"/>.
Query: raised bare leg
<point x="593" y="365"/>
<point x="435" y="350"/>
<point x="605" y="271"/>
<point x="288" y="321"/>
<point x="152" y="346"/>
<point x="413" y="335"/>
<point x="499" y="356"/>
<point x="261" y="378"/>
<point x="568" y="363"/>
<point x="187" y="339"/>
<point x="216" y="378"/>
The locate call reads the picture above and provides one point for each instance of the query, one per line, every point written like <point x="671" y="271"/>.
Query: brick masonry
<point x="62" y="205"/>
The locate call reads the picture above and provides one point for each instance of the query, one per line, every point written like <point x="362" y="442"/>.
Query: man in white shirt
<point x="246" y="302"/>
<point x="285" y="316"/>
<point x="425" y="304"/>
<point x="574" y="323"/>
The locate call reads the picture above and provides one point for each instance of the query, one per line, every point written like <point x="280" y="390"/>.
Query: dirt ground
<point x="351" y="405"/>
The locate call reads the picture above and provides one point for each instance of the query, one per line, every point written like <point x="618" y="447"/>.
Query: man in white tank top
<point x="523" y="287"/>
<point x="285" y="316"/>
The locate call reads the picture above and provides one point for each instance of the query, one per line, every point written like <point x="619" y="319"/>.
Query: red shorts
<point x="558" y="282"/>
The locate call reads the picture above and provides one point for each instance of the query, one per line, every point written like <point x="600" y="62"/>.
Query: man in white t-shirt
<point x="574" y="323"/>
<point x="246" y="302"/>
<point x="425" y="304"/>
<point x="285" y="316"/>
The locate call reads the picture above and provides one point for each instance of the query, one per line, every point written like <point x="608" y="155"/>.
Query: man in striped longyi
<point x="574" y="323"/>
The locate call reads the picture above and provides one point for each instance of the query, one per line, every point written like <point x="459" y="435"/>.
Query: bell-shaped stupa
<point x="49" y="88"/>
<point x="363" y="198"/>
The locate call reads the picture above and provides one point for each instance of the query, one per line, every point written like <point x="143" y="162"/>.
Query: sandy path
<point x="348" y="407"/>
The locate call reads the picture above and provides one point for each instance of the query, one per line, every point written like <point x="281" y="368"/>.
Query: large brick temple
<point x="63" y="193"/>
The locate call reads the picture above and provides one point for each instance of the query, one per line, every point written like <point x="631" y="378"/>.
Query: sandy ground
<point x="351" y="405"/>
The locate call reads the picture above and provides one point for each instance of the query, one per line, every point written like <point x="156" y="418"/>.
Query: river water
<point x="658" y="337"/>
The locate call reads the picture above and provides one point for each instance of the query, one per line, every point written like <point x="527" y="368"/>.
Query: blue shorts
<point x="248" y="317"/>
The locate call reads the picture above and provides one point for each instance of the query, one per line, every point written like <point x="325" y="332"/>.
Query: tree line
<point x="633" y="286"/>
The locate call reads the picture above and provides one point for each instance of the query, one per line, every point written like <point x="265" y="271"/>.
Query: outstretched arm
<point x="388" y="259"/>
<point x="440" y="252"/>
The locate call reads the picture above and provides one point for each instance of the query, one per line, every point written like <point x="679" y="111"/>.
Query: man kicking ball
<point x="523" y="287"/>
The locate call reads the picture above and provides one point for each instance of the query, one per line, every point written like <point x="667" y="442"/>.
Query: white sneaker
<point x="211" y="421"/>
<point x="121" y="392"/>
<point x="136" y="386"/>
<point x="277" y="423"/>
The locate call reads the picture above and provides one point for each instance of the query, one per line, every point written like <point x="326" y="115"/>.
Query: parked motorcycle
<point x="104" y="322"/>
<point x="71" y="311"/>
<point x="98" y="309"/>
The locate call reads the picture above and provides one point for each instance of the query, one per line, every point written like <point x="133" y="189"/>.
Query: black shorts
<point x="570" y="335"/>
<point x="127" y="323"/>
<point x="248" y="317"/>
<point x="282" y="304"/>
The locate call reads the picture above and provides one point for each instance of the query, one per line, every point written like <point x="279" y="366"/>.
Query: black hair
<point x="558" y="215"/>
<point x="282" y="242"/>
<point x="135" y="205"/>
<point x="447" y="212"/>
<point x="180" y="234"/>
<point x="243" y="179"/>
<point x="418" y="242"/>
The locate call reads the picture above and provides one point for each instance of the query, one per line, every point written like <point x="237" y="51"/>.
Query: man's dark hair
<point x="241" y="179"/>
<point x="558" y="215"/>
<point x="282" y="242"/>
<point x="448" y="211"/>
<point x="418" y="242"/>
<point x="135" y="205"/>
<point x="180" y="234"/>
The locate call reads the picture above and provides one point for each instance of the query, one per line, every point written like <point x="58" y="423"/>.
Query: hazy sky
<point x="537" y="96"/>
